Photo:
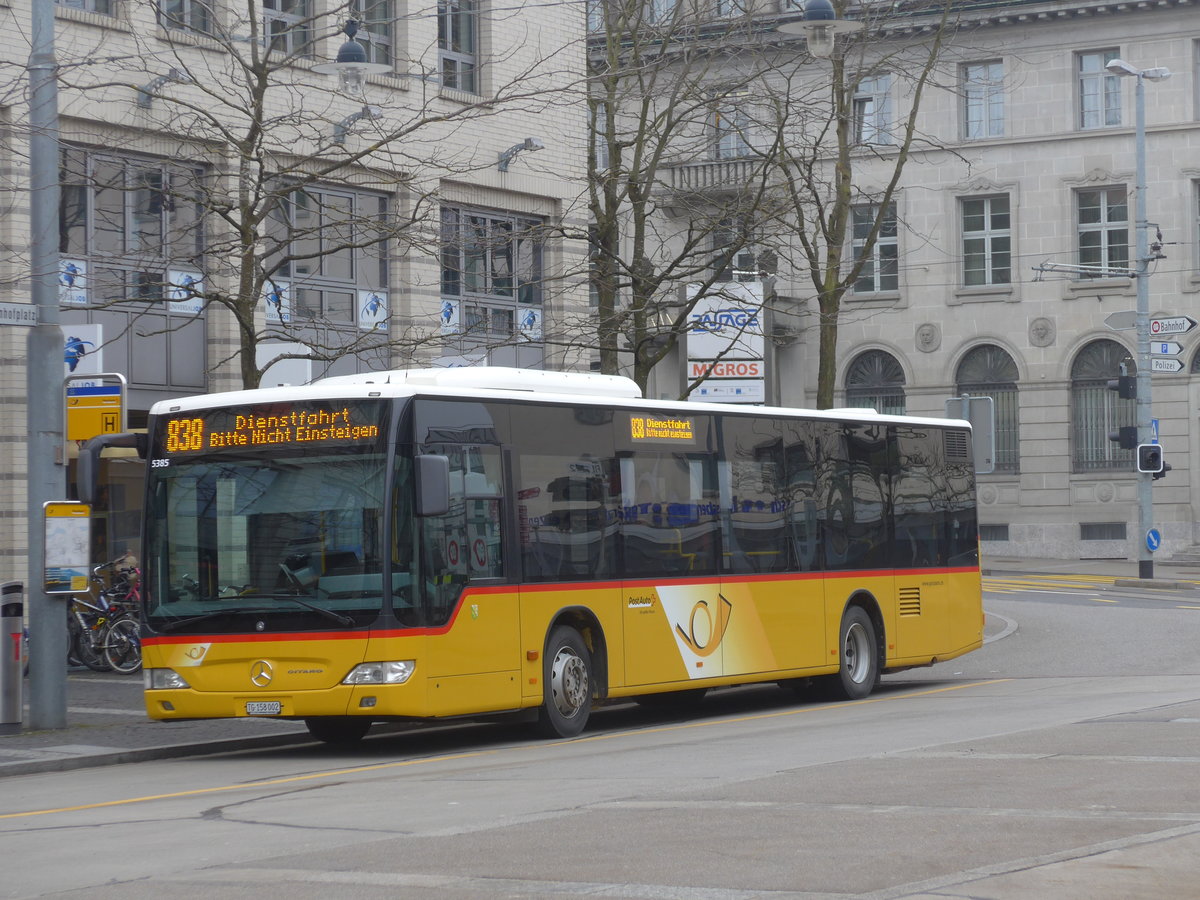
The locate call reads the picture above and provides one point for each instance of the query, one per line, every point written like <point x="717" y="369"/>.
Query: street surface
<point x="1060" y="761"/>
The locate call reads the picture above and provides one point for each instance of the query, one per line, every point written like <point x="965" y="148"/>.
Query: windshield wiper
<point x="330" y="614"/>
<point x="193" y="620"/>
<point x="345" y="621"/>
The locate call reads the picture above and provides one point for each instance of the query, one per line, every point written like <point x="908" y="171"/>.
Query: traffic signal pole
<point x="1142" y="324"/>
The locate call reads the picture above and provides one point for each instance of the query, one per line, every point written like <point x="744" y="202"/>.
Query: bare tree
<point x="680" y="173"/>
<point x="845" y="152"/>
<point x="278" y="184"/>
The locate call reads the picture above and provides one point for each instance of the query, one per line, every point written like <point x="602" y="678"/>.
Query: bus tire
<point x="567" y="680"/>
<point x="858" y="657"/>
<point x="338" y="730"/>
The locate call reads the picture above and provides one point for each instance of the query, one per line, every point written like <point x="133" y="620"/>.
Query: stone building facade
<point x="422" y="228"/>
<point x="1010" y="249"/>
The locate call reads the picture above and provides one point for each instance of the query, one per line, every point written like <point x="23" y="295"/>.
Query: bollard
<point x="12" y="631"/>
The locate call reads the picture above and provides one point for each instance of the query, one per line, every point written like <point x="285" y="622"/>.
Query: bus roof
<point x="499" y="382"/>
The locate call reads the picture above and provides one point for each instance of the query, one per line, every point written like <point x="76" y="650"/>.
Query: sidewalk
<point x="107" y="724"/>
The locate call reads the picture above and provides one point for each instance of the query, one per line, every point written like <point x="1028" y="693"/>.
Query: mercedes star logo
<point x="261" y="673"/>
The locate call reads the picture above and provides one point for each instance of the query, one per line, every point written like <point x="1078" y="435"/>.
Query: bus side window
<point x="464" y="544"/>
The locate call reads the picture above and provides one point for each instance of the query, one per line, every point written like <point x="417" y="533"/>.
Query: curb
<point x="1152" y="583"/>
<point x="143" y="754"/>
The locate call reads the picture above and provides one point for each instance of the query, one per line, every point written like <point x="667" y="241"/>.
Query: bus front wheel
<point x="338" y="730"/>
<point x="858" y="657"/>
<point x="567" y="680"/>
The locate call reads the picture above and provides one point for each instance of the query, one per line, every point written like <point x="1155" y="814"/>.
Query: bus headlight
<point x="396" y="672"/>
<point x="163" y="680"/>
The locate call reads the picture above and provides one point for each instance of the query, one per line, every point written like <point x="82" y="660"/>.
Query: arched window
<point x="988" y="371"/>
<point x="876" y="381"/>
<point x="1095" y="410"/>
<point x="1195" y="369"/>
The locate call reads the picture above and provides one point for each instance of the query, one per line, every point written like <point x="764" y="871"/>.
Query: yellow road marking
<point x="358" y="770"/>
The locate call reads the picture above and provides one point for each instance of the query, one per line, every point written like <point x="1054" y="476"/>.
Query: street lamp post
<point x="1142" y="320"/>
<point x="46" y="463"/>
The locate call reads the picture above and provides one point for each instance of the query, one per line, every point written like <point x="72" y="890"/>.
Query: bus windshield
<point x="277" y="538"/>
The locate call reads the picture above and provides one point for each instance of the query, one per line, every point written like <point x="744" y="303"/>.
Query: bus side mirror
<point x="87" y="469"/>
<point x="433" y="484"/>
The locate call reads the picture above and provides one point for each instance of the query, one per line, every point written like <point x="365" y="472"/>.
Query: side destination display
<point x="308" y="423"/>
<point x="662" y="428"/>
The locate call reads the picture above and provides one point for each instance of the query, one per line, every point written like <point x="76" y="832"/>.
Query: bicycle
<point x="105" y="632"/>
<point x="86" y="626"/>
<point x="122" y="640"/>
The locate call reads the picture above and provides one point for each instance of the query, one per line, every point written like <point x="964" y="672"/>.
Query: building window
<point x="492" y="271"/>
<point x="598" y="133"/>
<point x="595" y="15"/>
<point x="333" y="251"/>
<point x="458" y="44"/>
<point x="875" y="381"/>
<point x="987" y="241"/>
<point x="873" y="110"/>
<point x="1095" y="410"/>
<point x="287" y="27"/>
<point x="128" y="220"/>
<point x="736" y="256"/>
<point x="732" y="127"/>
<point x="186" y="15"/>
<point x="1196" y="223"/>
<point x="662" y="12"/>
<point x="993" y="532"/>
<point x="881" y="271"/>
<point x="729" y="8"/>
<point x="104" y="7"/>
<point x="983" y="100"/>
<point x="130" y="241"/>
<point x="376" y="21"/>
<point x="988" y="371"/>
<point x="1196" y="77"/>
<point x="1104" y="232"/>
<point x="1099" y="91"/>
<point x="1102" y="531"/>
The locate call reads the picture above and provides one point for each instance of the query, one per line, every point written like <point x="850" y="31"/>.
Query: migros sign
<point x="733" y="368"/>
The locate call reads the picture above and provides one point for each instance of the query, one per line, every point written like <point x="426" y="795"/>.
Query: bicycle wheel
<point x="123" y="646"/>
<point x="85" y="644"/>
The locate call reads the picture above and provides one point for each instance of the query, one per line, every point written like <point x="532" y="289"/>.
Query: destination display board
<point x="285" y="425"/>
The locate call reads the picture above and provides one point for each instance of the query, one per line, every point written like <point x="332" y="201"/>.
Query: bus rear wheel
<point x="567" y="681"/>
<point x="858" y="657"/>
<point x="338" y="730"/>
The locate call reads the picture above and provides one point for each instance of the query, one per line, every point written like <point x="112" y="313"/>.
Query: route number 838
<point x="184" y="435"/>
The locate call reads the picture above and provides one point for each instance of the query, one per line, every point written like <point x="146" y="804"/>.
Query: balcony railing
<point x="712" y="174"/>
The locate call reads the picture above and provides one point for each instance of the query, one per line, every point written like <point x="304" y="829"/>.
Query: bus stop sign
<point x="95" y="405"/>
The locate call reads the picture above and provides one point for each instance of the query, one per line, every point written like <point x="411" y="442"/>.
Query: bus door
<point x="471" y="613"/>
<point x="675" y="614"/>
<point x="920" y="507"/>
<point x="856" y="493"/>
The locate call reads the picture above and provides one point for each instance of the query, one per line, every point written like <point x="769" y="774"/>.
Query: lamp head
<point x="820" y="26"/>
<point x="1122" y="68"/>
<point x="351" y="65"/>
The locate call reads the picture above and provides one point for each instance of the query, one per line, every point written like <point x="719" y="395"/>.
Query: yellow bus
<point x="456" y="542"/>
